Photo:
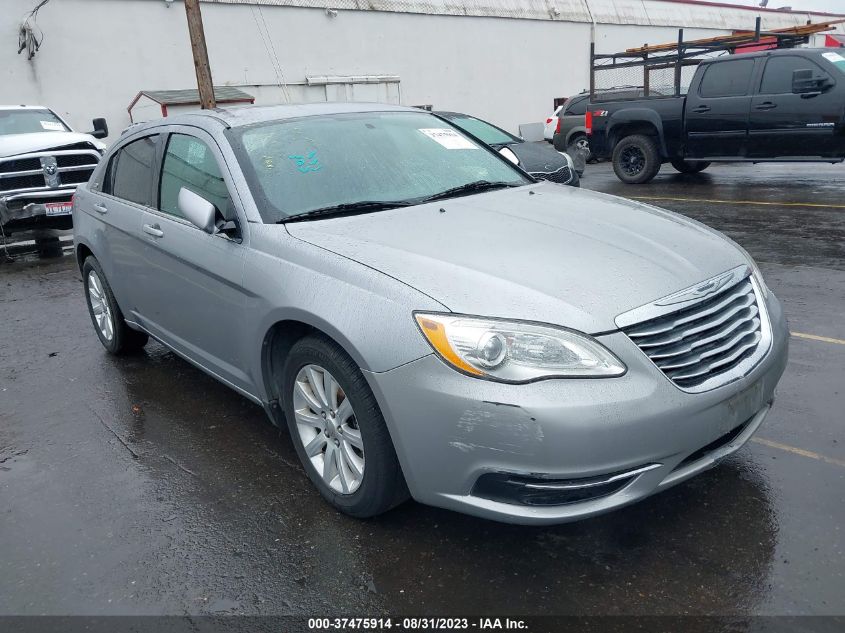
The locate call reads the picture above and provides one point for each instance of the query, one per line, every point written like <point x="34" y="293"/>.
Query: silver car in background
<point x="425" y="318"/>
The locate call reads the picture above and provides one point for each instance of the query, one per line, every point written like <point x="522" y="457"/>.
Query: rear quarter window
<point x="576" y="107"/>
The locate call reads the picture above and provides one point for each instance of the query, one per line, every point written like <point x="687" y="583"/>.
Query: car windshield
<point x="488" y="133"/>
<point x="301" y="165"/>
<point x="29" y="121"/>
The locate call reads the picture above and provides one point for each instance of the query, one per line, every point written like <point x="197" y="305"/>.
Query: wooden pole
<point x="200" y="52"/>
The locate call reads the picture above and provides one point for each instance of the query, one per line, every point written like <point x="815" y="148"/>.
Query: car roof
<point x="238" y="116"/>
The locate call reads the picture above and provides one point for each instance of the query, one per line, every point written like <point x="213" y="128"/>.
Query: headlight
<point x="515" y="352"/>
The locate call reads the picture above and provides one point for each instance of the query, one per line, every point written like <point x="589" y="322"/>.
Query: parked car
<point x="42" y="161"/>
<point x="537" y="159"/>
<point x="571" y="130"/>
<point x="422" y="316"/>
<point x="551" y="125"/>
<point x="779" y="105"/>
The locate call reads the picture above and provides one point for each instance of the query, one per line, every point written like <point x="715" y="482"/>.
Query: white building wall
<point x="98" y="54"/>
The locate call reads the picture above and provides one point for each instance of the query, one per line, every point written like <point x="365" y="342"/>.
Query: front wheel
<point x="690" y="166"/>
<point x="636" y="159"/>
<point x="338" y="430"/>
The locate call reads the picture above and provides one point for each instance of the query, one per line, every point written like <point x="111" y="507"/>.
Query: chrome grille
<point x="561" y="176"/>
<point x="25" y="174"/>
<point x="703" y="343"/>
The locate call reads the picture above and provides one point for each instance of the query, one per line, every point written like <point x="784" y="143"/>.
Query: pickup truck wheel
<point x="115" y="335"/>
<point x="690" y="166"/>
<point x="636" y="159"/>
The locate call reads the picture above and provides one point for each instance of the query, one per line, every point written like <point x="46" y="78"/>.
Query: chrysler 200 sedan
<point x="425" y="317"/>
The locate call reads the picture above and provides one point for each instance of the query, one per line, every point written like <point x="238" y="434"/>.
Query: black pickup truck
<point x="778" y="105"/>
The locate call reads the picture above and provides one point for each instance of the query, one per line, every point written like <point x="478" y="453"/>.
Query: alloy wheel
<point x="100" y="306"/>
<point x="632" y="160"/>
<point x="328" y="429"/>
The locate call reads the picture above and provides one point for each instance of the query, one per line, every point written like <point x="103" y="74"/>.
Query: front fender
<point x="367" y="313"/>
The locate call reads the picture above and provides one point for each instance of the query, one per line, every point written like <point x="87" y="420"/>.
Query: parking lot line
<point x="751" y="202"/>
<point x="799" y="451"/>
<point x="816" y="337"/>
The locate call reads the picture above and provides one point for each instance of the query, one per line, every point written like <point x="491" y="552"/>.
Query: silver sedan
<point x="425" y="318"/>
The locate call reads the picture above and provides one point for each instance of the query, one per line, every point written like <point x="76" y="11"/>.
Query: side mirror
<point x="199" y="211"/>
<point x="101" y="128"/>
<point x="804" y="82"/>
<point x="507" y="152"/>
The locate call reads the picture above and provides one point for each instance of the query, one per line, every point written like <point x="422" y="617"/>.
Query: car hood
<point x="538" y="157"/>
<point x="15" y="144"/>
<point x="543" y="252"/>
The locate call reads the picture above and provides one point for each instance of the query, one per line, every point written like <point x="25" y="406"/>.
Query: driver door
<point x="192" y="293"/>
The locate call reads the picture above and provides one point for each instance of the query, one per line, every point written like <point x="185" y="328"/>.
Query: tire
<point x="578" y="143"/>
<point x="690" y="166"/>
<point x="117" y="337"/>
<point x="636" y="159"/>
<point x="380" y="485"/>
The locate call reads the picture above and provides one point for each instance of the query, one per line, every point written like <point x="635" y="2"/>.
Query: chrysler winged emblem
<point x="700" y="290"/>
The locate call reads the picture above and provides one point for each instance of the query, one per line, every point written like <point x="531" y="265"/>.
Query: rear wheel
<point x="690" y="166"/>
<point x="636" y="159"/>
<point x="115" y="335"/>
<point x="338" y="430"/>
<point x="580" y="144"/>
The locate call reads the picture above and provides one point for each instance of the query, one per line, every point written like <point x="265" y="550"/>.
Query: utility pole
<point x="204" y="84"/>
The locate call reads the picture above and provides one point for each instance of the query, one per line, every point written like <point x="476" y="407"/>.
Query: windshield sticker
<point x="308" y="162"/>
<point x="52" y="126"/>
<point x="449" y="139"/>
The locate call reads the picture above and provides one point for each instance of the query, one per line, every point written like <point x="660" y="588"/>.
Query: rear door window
<point x="132" y="174"/>
<point x="727" y="79"/>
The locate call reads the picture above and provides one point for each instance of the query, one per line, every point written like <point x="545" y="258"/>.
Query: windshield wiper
<point x="348" y="208"/>
<point x="464" y="190"/>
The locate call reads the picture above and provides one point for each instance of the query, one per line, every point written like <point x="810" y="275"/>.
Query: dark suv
<point x="571" y="132"/>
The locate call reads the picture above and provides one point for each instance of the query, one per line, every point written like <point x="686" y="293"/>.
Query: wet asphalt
<point x="141" y="486"/>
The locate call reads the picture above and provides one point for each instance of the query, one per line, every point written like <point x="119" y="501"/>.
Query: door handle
<point x="100" y="208"/>
<point x="766" y="105"/>
<point x="153" y="230"/>
<point x="701" y="108"/>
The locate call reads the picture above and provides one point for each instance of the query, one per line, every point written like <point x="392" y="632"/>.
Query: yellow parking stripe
<point x="751" y="202"/>
<point x="816" y="337"/>
<point x="799" y="451"/>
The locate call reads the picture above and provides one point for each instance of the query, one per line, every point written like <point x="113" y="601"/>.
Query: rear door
<point x="717" y="110"/>
<point x="192" y="292"/>
<point x="119" y="201"/>
<point x="784" y="124"/>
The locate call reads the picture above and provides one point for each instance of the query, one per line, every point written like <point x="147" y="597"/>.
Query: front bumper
<point x="454" y="434"/>
<point x="28" y="211"/>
